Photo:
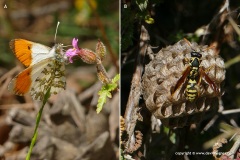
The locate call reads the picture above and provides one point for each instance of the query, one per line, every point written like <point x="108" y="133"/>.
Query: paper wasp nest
<point x="163" y="73"/>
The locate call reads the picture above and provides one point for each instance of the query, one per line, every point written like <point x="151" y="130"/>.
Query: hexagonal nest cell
<point x="162" y="74"/>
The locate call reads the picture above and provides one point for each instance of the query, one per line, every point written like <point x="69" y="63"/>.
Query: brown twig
<point x="138" y="142"/>
<point x="77" y="112"/>
<point x="23" y="106"/>
<point x="217" y="23"/>
<point x="9" y="73"/>
<point x="4" y="86"/>
<point x="132" y="108"/>
<point x="231" y="111"/>
<point x="89" y="92"/>
<point x="234" y="148"/>
<point x="6" y="147"/>
<point x="102" y="73"/>
<point x="219" y="143"/>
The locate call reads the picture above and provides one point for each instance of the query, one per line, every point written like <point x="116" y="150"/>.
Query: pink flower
<point x="86" y="55"/>
<point x="70" y="53"/>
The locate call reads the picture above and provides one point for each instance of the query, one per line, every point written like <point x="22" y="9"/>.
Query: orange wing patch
<point x="22" y="50"/>
<point x="21" y="84"/>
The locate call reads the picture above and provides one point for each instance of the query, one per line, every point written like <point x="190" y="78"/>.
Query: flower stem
<point x="102" y="74"/>
<point x="34" y="138"/>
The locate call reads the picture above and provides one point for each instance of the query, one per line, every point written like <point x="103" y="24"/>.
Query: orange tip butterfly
<point x="45" y="68"/>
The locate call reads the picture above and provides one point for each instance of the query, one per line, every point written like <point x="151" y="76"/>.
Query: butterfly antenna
<point x="67" y="46"/>
<point x="55" y="37"/>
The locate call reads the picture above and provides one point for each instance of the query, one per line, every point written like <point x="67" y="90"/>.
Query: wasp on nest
<point x="182" y="82"/>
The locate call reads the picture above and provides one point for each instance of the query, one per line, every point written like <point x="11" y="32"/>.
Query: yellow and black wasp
<point x="194" y="74"/>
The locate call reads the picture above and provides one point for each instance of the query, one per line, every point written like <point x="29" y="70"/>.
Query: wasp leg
<point x="186" y="61"/>
<point x="208" y="69"/>
<point x="210" y="47"/>
<point x="189" y="43"/>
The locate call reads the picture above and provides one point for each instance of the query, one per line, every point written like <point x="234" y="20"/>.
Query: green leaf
<point x="111" y="86"/>
<point x="116" y="78"/>
<point x="142" y="4"/>
<point x="106" y="92"/>
<point x="103" y="94"/>
<point x="149" y="19"/>
<point x="109" y="95"/>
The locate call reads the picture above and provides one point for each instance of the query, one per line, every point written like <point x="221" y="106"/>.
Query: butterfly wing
<point x="52" y="76"/>
<point x="28" y="52"/>
<point x="37" y="79"/>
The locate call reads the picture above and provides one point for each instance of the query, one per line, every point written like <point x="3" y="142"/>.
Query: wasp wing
<point x="208" y="80"/>
<point x="182" y="80"/>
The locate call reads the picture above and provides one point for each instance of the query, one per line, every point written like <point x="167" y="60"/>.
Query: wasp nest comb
<point x="182" y="82"/>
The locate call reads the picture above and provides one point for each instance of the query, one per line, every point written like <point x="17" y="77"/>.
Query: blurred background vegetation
<point x="205" y="22"/>
<point x="36" y="21"/>
<point x="89" y="21"/>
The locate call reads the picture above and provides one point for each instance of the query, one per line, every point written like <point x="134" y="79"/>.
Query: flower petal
<point x="75" y="43"/>
<point x="71" y="53"/>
